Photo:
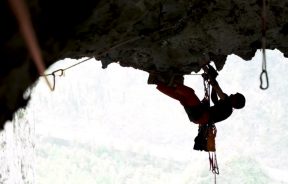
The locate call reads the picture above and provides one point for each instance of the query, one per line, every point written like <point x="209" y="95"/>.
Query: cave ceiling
<point x="177" y="36"/>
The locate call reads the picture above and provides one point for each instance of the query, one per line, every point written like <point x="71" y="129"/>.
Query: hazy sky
<point x="135" y="134"/>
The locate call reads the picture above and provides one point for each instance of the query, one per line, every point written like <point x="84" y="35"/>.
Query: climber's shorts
<point x="198" y="114"/>
<point x="195" y="109"/>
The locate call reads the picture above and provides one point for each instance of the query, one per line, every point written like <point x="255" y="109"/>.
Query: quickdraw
<point x="264" y="73"/>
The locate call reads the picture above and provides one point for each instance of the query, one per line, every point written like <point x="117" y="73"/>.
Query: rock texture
<point x="159" y="35"/>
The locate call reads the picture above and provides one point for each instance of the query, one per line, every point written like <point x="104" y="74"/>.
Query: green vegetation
<point x="81" y="163"/>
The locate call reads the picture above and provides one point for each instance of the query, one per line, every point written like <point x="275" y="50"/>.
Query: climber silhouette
<point x="198" y="111"/>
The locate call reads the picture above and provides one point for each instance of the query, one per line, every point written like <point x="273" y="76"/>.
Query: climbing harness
<point x="264" y="74"/>
<point x="211" y="134"/>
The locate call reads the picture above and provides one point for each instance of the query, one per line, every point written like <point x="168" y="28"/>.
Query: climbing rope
<point x="264" y="73"/>
<point x="213" y="164"/>
<point x="211" y="148"/>
<point x="206" y="90"/>
<point x="211" y="133"/>
<point x="61" y="72"/>
<point x="21" y="13"/>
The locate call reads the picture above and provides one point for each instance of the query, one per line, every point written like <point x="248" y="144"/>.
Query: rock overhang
<point x="153" y="36"/>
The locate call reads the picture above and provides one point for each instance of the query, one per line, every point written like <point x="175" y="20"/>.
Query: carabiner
<point x="264" y="72"/>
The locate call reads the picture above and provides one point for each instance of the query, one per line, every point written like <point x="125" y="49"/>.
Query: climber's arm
<point x="217" y="89"/>
<point x="212" y="74"/>
<point x="214" y="96"/>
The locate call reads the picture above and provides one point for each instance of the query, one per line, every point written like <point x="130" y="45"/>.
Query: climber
<point x="200" y="112"/>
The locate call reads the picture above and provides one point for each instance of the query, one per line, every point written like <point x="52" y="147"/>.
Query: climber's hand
<point x="205" y="76"/>
<point x="213" y="82"/>
<point x="212" y="72"/>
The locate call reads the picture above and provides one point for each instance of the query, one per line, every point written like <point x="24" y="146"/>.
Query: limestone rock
<point x="160" y="35"/>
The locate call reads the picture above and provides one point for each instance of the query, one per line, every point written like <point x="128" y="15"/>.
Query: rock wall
<point x="160" y="36"/>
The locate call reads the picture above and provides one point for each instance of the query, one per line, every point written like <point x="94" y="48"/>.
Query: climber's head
<point x="237" y="100"/>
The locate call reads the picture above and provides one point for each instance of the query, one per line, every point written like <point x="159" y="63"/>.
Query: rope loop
<point x="213" y="163"/>
<point x="264" y="75"/>
<point x="60" y="73"/>
<point x="54" y="81"/>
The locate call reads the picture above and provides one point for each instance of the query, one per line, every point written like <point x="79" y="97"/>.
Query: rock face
<point x="160" y="36"/>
